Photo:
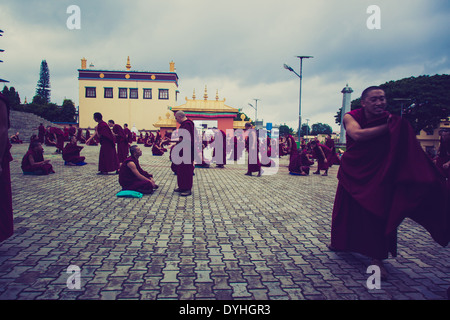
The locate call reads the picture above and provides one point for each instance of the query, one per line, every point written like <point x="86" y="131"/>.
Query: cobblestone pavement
<point x="236" y="237"/>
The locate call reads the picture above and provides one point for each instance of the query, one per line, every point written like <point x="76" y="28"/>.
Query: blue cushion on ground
<point x="129" y="194"/>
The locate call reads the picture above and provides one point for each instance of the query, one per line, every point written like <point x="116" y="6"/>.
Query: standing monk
<point x="128" y="134"/>
<point x="384" y="177"/>
<point x="56" y="134"/>
<point x="252" y="144"/>
<point x="185" y="169"/>
<point x="121" y="140"/>
<point x="6" y="210"/>
<point x="107" y="160"/>
<point x="41" y="133"/>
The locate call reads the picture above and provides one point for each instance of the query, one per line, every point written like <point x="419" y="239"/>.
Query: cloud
<point x="236" y="47"/>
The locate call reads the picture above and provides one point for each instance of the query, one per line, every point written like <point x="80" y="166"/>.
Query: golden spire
<point x="206" y="94"/>
<point x="83" y="63"/>
<point x="172" y="66"/>
<point x="217" y="95"/>
<point x="193" y="95"/>
<point x="128" y="64"/>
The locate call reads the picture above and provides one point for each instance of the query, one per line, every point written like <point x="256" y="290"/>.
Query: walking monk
<point x="185" y="169"/>
<point x="384" y="177"/>
<point x="6" y="210"/>
<point x="107" y="159"/>
<point x="133" y="177"/>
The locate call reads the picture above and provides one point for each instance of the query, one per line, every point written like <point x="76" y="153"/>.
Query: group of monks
<point x="384" y="175"/>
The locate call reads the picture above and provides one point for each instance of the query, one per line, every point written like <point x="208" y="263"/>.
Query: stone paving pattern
<point x="236" y="237"/>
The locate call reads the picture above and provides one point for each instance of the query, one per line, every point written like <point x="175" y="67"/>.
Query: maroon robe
<point x="321" y="164"/>
<point x="381" y="182"/>
<point x="332" y="157"/>
<point x="185" y="171"/>
<point x="71" y="153"/>
<point x="122" y="143"/>
<point x="6" y="209"/>
<point x="41" y="133"/>
<point x="128" y="135"/>
<point x="72" y="131"/>
<point x="59" y="137"/>
<point x="38" y="169"/>
<point x="254" y="164"/>
<point x="108" y="160"/>
<point x="129" y="181"/>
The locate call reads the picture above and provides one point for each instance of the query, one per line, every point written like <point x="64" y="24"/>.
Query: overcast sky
<point x="235" y="47"/>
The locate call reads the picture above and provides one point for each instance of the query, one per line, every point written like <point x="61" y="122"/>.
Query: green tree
<point x="305" y="130"/>
<point x="12" y="96"/>
<point x="318" y="128"/>
<point x="284" y="129"/>
<point x="43" y="85"/>
<point x="67" y="112"/>
<point x="423" y="100"/>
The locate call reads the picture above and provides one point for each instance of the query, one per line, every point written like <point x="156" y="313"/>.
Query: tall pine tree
<point x="43" y="85"/>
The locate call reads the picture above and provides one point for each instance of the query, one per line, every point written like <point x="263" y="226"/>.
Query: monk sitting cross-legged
<point x="33" y="161"/>
<point x="133" y="177"/>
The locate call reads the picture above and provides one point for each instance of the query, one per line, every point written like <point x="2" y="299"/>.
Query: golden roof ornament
<point x="205" y="96"/>
<point x="128" y="64"/>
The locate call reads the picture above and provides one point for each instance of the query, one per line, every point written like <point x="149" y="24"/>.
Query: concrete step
<point x="26" y="124"/>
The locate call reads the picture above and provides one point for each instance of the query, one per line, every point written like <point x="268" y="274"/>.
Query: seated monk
<point x="133" y="177"/>
<point x="148" y="142"/>
<point x="33" y="161"/>
<point x="157" y="150"/>
<point x="71" y="153"/>
<point x="15" y="138"/>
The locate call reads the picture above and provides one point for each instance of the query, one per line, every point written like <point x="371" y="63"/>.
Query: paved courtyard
<point x="236" y="237"/>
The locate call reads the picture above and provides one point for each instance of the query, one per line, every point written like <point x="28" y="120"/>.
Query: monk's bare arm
<point x="355" y="131"/>
<point x="133" y="169"/>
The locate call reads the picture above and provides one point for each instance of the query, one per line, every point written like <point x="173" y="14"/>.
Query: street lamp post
<point x="256" y="108"/>
<point x="300" y="98"/>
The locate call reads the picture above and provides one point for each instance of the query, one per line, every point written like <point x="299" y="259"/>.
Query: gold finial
<point x="217" y="95"/>
<point x="83" y="63"/>
<point x="128" y="64"/>
<point x="26" y="100"/>
<point x="206" y="94"/>
<point x="172" y="66"/>
<point x="242" y="117"/>
<point x="193" y="95"/>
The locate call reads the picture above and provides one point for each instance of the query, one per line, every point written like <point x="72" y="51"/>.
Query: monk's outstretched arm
<point x="357" y="133"/>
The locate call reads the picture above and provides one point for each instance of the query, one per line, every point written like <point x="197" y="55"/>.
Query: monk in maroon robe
<point x="56" y="134"/>
<point x="41" y="133"/>
<point x="121" y="141"/>
<point x="322" y="154"/>
<point x="252" y="146"/>
<point x="107" y="161"/>
<point x="128" y="134"/>
<point x="332" y="157"/>
<point x="15" y="138"/>
<point x="185" y="169"/>
<point x="133" y="177"/>
<point x="72" y="130"/>
<point x="80" y="137"/>
<point x="221" y="161"/>
<point x="71" y="153"/>
<point x="442" y="159"/>
<point x="384" y="177"/>
<point x="6" y="209"/>
<point x="33" y="161"/>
